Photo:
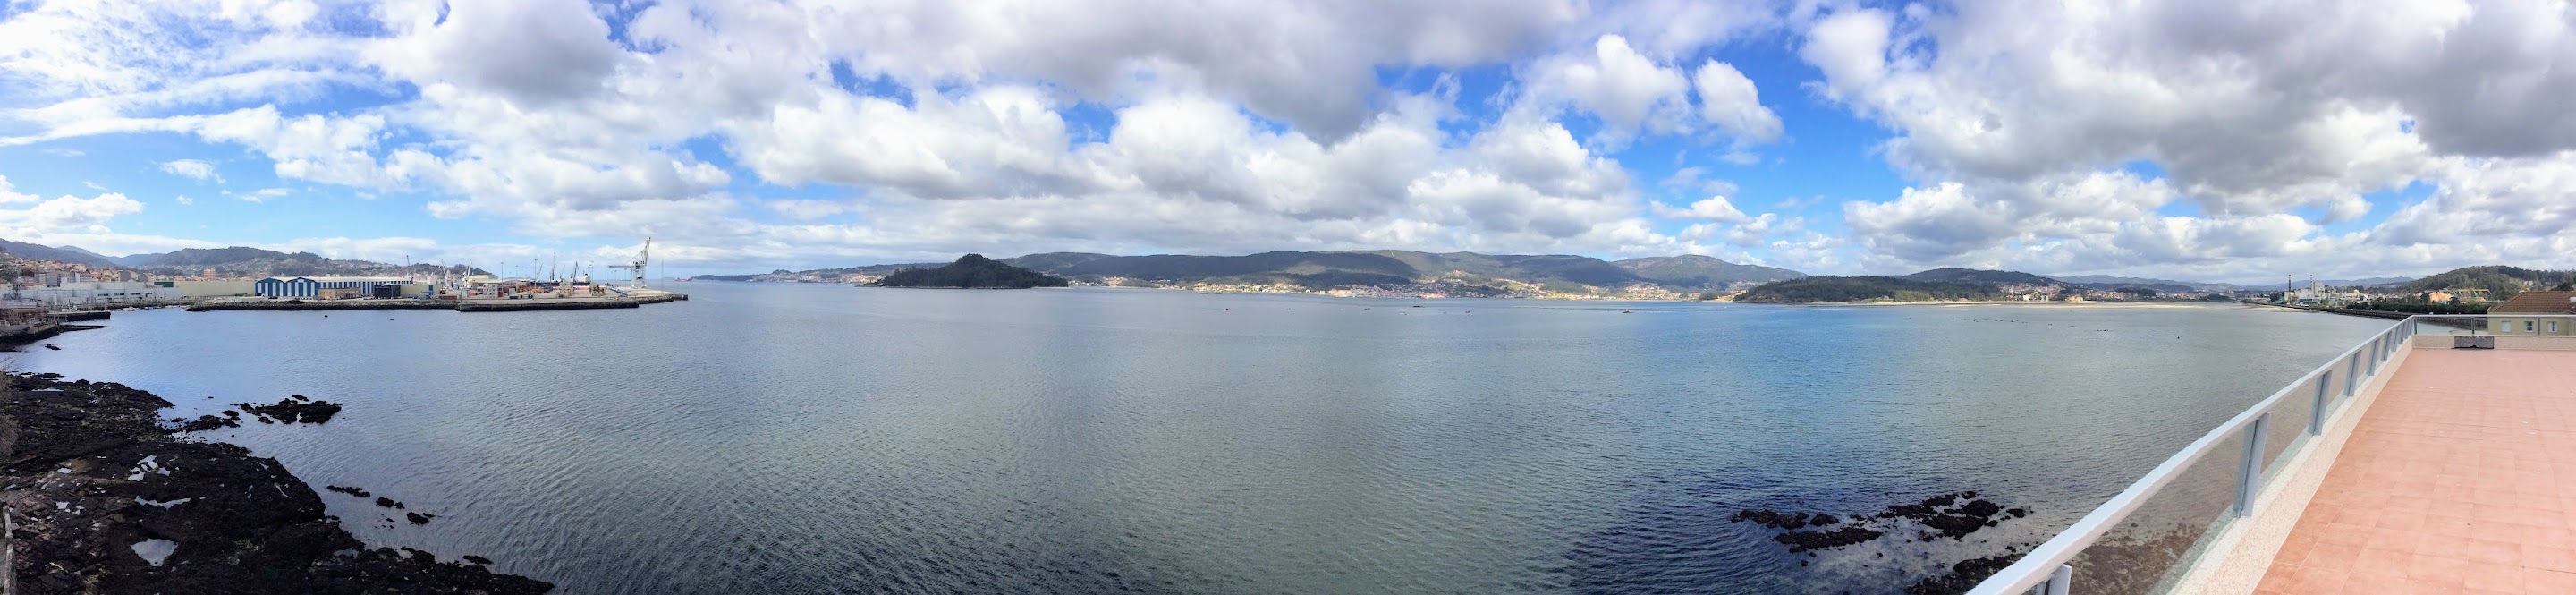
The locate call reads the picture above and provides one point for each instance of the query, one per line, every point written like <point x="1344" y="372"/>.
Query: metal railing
<point x="2156" y="552"/>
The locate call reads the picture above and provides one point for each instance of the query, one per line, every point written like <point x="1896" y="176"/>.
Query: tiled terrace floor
<point x="2460" y="479"/>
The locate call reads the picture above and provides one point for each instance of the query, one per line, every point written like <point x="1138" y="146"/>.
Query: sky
<point x="2185" y="139"/>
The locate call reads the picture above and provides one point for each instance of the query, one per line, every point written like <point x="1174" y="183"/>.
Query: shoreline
<point x="470" y="305"/>
<point x="2085" y="304"/>
<point x="104" y="498"/>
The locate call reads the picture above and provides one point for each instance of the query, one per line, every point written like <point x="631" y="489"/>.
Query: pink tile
<point x="2539" y="581"/>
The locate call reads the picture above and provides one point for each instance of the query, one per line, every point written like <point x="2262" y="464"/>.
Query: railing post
<point x="2374" y="356"/>
<point x="2251" y="469"/>
<point x="2352" y="375"/>
<point x="2061" y="580"/>
<point x="2317" y="417"/>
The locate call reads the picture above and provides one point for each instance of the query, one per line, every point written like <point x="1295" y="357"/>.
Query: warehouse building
<point x="340" y="287"/>
<point x="92" y="293"/>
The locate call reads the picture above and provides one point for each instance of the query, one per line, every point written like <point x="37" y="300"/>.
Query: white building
<point x="97" y="293"/>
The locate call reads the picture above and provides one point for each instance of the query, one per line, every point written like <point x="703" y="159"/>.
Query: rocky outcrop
<point x="107" y="500"/>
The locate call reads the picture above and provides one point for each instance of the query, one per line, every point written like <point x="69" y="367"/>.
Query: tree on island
<point x="972" y="271"/>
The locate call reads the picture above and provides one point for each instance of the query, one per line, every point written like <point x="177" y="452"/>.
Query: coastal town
<point x="45" y="296"/>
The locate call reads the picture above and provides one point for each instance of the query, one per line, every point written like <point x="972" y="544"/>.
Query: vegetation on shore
<point x="972" y="271"/>
<point x="1867" y="289"/>
<point x="2501" y="282"/>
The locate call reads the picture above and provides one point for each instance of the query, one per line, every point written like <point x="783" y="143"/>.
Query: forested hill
<point x="2499" y="281"/>
<point x="1959" y="275"/>
<point x="972" y="271"/>
<point x="1378" y="268"/>
<point x="1864" y="289"/>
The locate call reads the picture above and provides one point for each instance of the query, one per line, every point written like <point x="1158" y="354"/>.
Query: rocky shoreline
<point x="104" y="498"/>
<point x="1943" y="516"/>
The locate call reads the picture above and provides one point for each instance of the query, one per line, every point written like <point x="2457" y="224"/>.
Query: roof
<point x="2538" y="302"/>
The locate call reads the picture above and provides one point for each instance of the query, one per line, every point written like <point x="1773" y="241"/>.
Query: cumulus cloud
<point x="2249" y="111"/>
<point x="1728" y="100"/>
<point x="2195" y="137"/>
<point x="192" y="168"/>
<point x="532" y="51"/>
<point x="1714" y="208"/>
<point x="70" y="213"/>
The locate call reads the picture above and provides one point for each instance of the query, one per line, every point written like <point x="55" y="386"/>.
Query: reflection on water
<point x="824" y="438"/>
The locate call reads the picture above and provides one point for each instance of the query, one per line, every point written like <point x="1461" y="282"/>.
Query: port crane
<point x="637" y="268"/>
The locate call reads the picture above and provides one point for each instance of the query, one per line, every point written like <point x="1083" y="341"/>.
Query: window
<point x="2553" y="327"/>
<point x="2530" y="325"/>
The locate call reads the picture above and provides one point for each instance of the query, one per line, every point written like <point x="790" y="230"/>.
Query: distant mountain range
<point x="55" y="253"/>
<point x="1965" y="284"/>
<point x="233" y="261"/>
<point x="1378" y="268"/>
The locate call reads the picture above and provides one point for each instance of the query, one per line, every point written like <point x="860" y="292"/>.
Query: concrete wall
<point x="2539" y="325"/>
<point x="212" y="288"/>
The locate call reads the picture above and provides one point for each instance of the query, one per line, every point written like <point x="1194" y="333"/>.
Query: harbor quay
<point x="517" y="302"/>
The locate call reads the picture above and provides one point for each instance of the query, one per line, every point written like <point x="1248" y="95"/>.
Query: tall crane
<point x="637" y="268"/>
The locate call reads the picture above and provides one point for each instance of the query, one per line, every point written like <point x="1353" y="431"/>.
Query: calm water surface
<point x="824" y="438"/>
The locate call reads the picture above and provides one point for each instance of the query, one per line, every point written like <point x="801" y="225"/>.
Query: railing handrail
<point x="2041" y="563"/>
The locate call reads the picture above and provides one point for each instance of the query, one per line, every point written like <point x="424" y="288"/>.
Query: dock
<point x="638" y="298"/>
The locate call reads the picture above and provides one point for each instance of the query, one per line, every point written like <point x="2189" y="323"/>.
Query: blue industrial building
<point x="314" y="287"/>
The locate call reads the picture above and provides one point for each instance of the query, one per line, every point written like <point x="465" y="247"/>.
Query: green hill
<point x="1866" y="289"/>
<point x="1959" y="275"/>
<point x="972" y="271"/>
<point x="2499" y="281"/>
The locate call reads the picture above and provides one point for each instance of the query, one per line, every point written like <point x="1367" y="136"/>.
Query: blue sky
<point x="1828" y="137"/>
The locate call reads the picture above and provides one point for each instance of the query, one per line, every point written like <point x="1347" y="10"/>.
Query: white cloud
<point x="9" y="193"/>
<point x="2027" y="132"/>
<point x="807" y="210"/>
<point x="192" y="168"/>
<point x="1728" y="99"/>
<point x="261" y="195"/>
<point x="532" y="51"/>
<point x="1714" y="208"/>
<point x="1612" y="81"/>
<point x="69" y="213"/>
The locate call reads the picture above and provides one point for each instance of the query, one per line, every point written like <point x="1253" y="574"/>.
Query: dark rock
<point x="208" y="422"/>
<point x="419" y="518"/>
<point x="294" y="410"/>
<point x="1801" y="541"/>
<point x="478" y="559"/>
<point x="241" y="524"/>
<point x="1963" y="576"/>
<point x="350" y="490"/>
<point x="1770" y="518"/>
<point x="1980" y="508"/>
<point x="1823" y="519"/>
<point x="388" y="503"/>
<point x="1954" y="526"/>
<point x="1906" y="510"/>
